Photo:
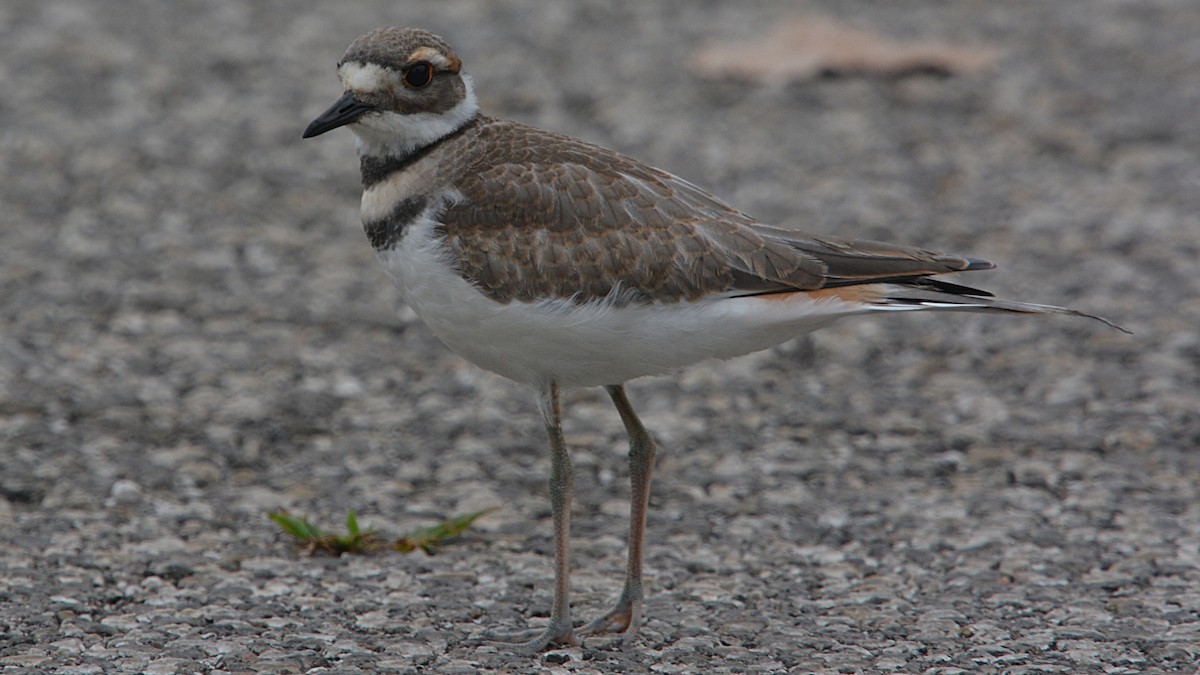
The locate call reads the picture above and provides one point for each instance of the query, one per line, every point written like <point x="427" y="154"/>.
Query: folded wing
<point x="591" y="224"/>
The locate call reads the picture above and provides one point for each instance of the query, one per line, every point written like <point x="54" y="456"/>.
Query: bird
<point x="558" y="263"/>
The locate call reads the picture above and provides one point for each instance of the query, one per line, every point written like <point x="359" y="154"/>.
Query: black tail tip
<point x="978" y="264"/>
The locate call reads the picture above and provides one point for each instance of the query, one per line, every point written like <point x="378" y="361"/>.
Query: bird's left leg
<point x="626" y="615"/>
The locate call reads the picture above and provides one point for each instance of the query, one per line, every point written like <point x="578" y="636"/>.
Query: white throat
<point x="393" y="134"/>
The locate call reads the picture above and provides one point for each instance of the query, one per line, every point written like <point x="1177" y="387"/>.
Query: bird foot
<point x="623" y="619"/>
<point x="537" y="640"/>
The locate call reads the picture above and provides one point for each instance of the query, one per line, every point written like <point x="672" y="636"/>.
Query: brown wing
<point x="591" y="223"/>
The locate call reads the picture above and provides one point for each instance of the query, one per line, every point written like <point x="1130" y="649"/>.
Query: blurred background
<point x="194" y="333"/>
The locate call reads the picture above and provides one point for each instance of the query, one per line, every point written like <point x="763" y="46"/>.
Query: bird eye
<point x="419" y="75"/>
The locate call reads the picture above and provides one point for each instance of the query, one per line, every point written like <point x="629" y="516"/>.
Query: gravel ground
<point x="193" y="333"/>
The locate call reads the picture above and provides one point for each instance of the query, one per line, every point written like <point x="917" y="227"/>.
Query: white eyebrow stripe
<point x="362" y="76"/>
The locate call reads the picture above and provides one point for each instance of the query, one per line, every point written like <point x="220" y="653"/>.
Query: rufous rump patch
<point x="864" y="293"/>
<point x="861" y="293"/>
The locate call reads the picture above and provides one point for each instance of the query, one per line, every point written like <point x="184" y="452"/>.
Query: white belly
<point x="590" y="344"/>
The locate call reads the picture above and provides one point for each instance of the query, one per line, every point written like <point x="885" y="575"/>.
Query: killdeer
<point x="557" y="263"/>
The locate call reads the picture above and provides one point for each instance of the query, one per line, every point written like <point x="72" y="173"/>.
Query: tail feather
<point x="941" y="295"/>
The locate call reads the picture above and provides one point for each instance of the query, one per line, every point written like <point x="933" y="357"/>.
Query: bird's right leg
<point x="562" y="481"/>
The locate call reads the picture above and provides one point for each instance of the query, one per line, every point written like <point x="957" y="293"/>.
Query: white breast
<point x="591" y="344"/>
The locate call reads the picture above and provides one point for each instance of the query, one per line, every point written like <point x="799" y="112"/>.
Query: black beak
<point x="343" y="111"/>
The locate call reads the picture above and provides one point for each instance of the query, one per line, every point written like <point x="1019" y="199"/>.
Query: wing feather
<point x="566" y="219"/>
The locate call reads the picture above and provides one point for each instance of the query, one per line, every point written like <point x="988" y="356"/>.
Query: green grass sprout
<point x="428" y="538"/>
<point x="356" y="540"/>
<point x="359" y="541"/>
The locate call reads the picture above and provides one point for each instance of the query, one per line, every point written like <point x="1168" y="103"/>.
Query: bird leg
<point x="625" y="616"/>
<point x="562" y="479"/>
